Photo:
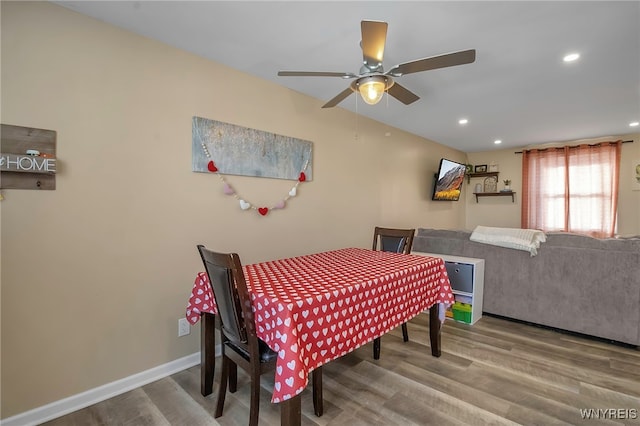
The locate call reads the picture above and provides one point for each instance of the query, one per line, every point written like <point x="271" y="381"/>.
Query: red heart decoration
<point x="263" y="211"/>
<point x="212" y="167"/>
<point x="302" y="177"/>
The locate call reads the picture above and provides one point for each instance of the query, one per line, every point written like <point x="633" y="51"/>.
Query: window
<point x="572" y="189"/>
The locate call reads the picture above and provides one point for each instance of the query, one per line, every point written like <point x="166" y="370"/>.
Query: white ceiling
<point x="518" y="90"/>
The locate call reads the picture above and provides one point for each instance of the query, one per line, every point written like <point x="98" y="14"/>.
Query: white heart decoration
<point x="244" y="205"/>
<point x="293" y="192"/>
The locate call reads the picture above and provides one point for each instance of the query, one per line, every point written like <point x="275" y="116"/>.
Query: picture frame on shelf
<point x="490" y="185"/>
<point x="480" y="168"/>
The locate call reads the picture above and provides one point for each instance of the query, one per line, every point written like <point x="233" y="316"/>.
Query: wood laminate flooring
<point x="495" y="372"/>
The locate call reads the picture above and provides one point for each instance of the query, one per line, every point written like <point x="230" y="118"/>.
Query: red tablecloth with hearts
<point x="315" y="308"/>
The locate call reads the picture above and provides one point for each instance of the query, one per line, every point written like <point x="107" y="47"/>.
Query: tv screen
<point x="448" y="181"/>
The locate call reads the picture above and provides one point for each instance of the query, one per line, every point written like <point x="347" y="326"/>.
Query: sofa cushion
<point x="564" y="239"/>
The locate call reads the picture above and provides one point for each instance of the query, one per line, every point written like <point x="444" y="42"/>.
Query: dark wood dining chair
<point x="240" y="344"/>
<point x="397" y="241"/>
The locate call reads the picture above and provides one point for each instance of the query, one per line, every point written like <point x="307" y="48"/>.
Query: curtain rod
<point x="572" y="146"/>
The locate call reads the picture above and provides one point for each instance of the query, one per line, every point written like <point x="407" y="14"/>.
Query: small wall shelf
<point x="496" y="194"/>
<point x="483" y="174"/>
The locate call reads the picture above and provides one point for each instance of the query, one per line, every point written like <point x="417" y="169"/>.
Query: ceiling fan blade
<point x="374" y="36"/>
<point x="434" y="62"/>
<point x="316" y="74"/>
<point x="341" y="97"/>
<point x="402" y="94"/>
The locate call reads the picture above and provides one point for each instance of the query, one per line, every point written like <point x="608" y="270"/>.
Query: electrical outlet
<point x="184" y="327"/>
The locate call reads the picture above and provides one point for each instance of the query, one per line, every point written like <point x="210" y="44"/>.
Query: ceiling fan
<point x="372" y="81"/>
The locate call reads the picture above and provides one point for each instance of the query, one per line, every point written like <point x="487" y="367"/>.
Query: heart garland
<point x="246" y="205"/>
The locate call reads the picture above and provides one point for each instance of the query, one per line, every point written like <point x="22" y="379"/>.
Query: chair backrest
<point x="231" y="295"/>
<point x="394" y="240"/>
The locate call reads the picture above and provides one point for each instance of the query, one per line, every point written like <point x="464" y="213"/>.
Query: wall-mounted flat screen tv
<point x="449" y="181"/>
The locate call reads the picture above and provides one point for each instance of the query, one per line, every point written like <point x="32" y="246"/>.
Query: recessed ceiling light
<point x="571" y="57"/>
<point x="463" y="121"/>
<point x="497" y="141"/>
<point x="634" y="124"/>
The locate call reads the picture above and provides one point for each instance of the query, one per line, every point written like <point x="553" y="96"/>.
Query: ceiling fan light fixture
<point x="373" y="87"/>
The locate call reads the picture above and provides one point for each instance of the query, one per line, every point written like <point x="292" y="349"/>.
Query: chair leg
<point x="405" y="332"/>
<point x="233" y="377"/>
<point x="255" y="396"/>
<point x="376" y="348"/>
<point x="224" y="377"/>
<point x="318" y="406"/>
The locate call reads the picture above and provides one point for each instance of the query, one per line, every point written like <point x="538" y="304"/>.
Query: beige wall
<point x="500" y="211"/>
<point x="96" y="273"/>
<point x="494" y="211"/>
<point x="629" y="200"/>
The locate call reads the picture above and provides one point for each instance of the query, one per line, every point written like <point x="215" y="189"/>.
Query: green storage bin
<point x="462" y="312"/>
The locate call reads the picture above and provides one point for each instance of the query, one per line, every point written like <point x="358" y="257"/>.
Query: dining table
<point x="315" y="308"/>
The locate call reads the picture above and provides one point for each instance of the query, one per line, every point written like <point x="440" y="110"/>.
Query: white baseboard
<point x="76" y="402"/>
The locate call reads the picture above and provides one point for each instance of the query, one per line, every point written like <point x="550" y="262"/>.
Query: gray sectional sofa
<point x="574" y="283"/>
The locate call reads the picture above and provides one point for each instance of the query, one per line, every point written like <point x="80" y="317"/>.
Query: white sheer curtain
<point x="572" y="189"/>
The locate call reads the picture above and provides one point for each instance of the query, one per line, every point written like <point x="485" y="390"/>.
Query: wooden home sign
<point x="27" y="158"/>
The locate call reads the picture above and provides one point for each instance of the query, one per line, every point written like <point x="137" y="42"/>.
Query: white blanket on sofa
<point x="515" y="238"/>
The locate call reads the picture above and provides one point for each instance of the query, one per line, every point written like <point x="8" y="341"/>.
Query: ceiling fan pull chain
<point x="357" y="119"/>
